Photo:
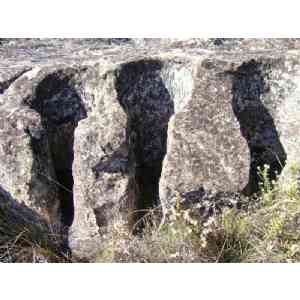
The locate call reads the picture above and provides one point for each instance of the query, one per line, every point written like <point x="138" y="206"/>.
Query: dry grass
<point x="26" y="237"/>
<point x="266" y="231"/>
<point x="29" y="245"/>
<point x="28" y="252"/>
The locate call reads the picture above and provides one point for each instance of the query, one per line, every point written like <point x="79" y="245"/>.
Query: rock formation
<point x="92" y="131"/>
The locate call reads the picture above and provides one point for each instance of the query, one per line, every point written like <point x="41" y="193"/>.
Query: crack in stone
<point x="4" y="85"/>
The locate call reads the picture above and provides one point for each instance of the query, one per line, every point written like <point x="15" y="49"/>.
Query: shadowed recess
<point x="146" y="100"/>
<point x="61" y="108"/>
<point x="256" y="122"/>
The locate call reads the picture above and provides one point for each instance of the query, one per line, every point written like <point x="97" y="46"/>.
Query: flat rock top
<point x="20" y="52"/>
<point x="20" y="55"/>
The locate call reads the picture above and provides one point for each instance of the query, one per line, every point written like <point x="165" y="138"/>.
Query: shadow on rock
<point x="146" y="100"/>
<point x="20" y="224"/>
<point x="61" y="108"/>
<point x="256" y="123"/>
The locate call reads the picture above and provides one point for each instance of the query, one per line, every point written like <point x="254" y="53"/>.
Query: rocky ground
<point x="93" y="132"/>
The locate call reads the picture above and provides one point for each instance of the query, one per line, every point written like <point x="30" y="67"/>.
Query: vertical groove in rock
<point x="249" y="86"/>
<point x="146" y="100"/>
<point x="61" y="108"/>
<point x="151" y="92"/>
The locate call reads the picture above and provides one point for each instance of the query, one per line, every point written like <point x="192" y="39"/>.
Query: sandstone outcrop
<point x="92" y="132"/>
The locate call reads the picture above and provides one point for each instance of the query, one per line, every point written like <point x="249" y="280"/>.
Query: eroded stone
<point x="90" y="137"/>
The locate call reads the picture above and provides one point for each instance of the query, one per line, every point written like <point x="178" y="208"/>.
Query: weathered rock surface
<point x="92" y="131"/>
<point x="235" y="113"/>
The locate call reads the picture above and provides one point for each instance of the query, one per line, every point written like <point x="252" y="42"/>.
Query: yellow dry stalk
<point x="178" y="200"/>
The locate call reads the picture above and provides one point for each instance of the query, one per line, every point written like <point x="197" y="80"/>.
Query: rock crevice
<point x="249" y="87"/>
<point x="151" y="92"/>
<point x="61" y="108"/>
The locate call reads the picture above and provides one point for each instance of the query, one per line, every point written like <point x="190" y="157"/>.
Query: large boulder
<point x="206" y="151"/>
<point x="241" y="117"/>
<point x="120" y="147"/>
<point x="25" y="161"/>
<point x="104" y="185"/>
<point x="40" y="111"/>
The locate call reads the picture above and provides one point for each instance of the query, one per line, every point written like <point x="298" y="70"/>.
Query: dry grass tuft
<point x="266" y="231"/>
